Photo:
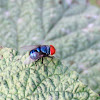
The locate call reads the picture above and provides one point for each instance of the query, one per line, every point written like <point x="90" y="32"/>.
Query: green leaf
<point x="91" y="77"/>
<point x="72" y="26"/>
<point x="95" y="2"/>
<point x="50" y="80"/>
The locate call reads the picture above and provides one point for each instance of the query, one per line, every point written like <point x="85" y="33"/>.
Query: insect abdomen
<point x="32" y="54"/>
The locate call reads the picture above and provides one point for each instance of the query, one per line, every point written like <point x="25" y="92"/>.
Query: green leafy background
<point x="72" y="27"/>
<point x="48" y="81"/>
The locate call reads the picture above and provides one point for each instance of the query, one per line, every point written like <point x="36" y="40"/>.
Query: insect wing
<point x="37" y="55"/>
<point x="30" y="60"/>
<point x="30" y="47"/>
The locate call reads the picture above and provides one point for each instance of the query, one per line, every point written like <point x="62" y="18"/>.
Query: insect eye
<point x="52" y="50"/>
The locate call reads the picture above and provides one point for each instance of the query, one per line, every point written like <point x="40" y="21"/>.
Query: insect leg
<point x="42" y="60"/>
<point x="36" y="61"/>
<point x="51" y="57"/>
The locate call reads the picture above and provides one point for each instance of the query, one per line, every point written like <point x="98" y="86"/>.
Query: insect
<point x="39" y="51"/>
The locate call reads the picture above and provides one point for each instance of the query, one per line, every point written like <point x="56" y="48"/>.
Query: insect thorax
<point x="45" y="49"/>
